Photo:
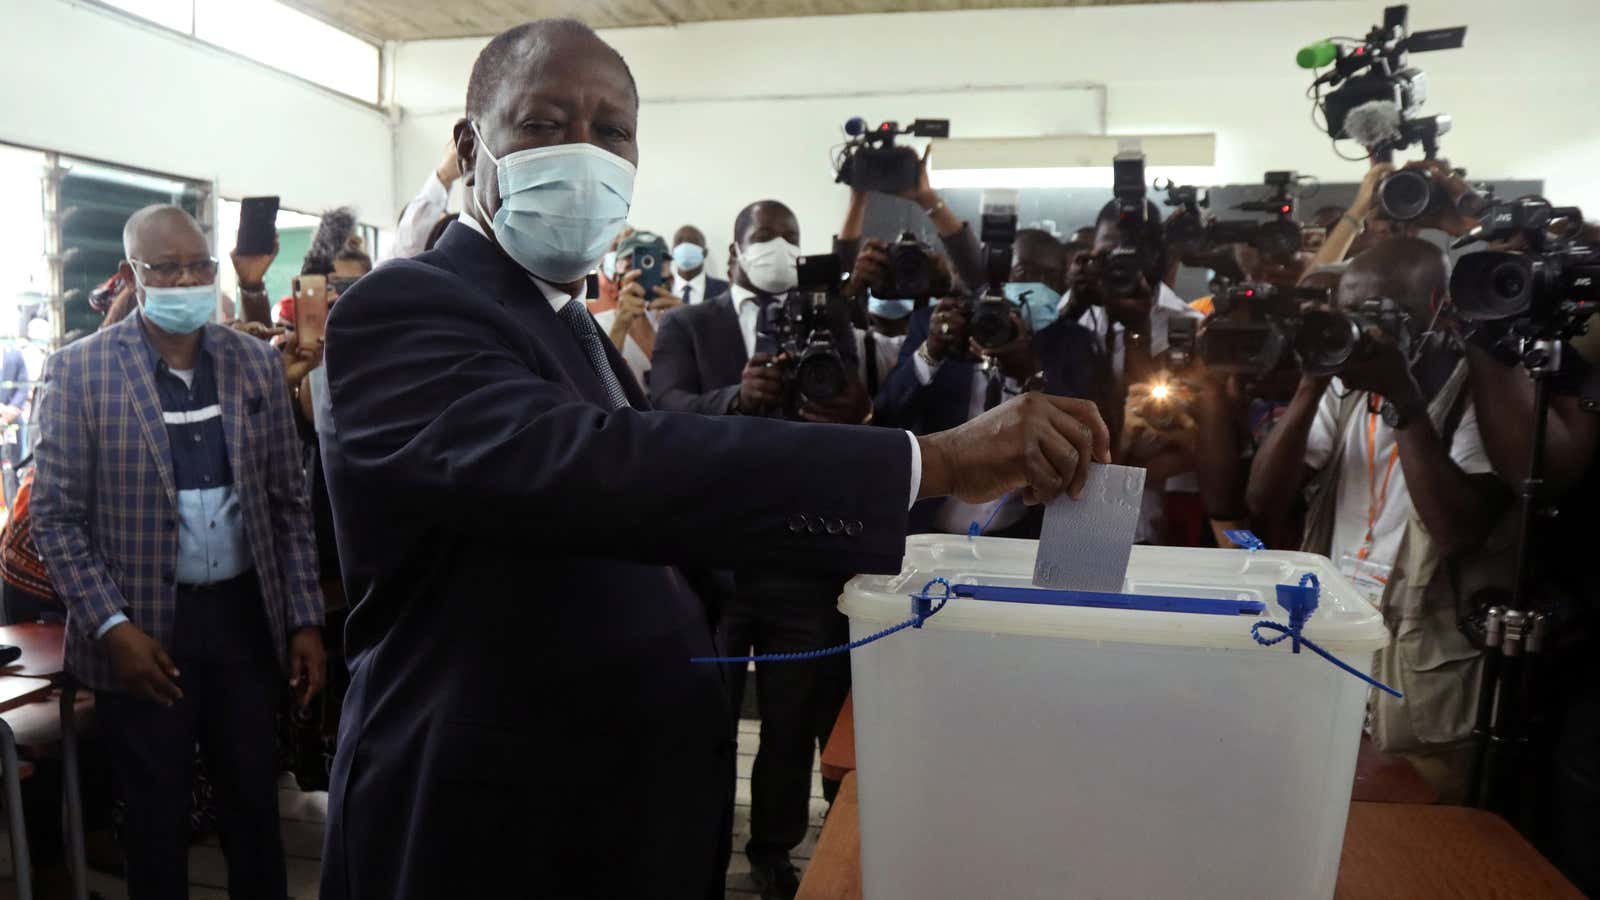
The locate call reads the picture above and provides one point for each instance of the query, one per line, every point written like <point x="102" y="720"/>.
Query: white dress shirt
<point x="956" y="515"/>
<point x="559" y="298"/>
<point x="698" y="283"/>
<point x="748" y="307"/>
<point x="419" y="217"/>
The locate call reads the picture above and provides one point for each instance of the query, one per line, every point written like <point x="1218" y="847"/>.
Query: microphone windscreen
<point x="1373" y="123"/>
<point x="855" y="125"/>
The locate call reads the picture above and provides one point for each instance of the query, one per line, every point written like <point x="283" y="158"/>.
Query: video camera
<point x="801" y="329"/>
<point x="1547" y="291"/>
<point x="1260" y="328"/>
<point x="870" y="160"/>
<point x="989" y="321"/>
<point x="1192" y="237"/>
<point x="1118" y="269"/>
<point x="1375" y="74"/>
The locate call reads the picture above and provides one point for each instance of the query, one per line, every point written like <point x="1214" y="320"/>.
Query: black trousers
<point x="798" y="701"/>
<point x="231" y="685"/>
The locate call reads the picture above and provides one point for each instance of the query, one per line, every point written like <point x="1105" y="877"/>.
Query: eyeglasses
<point x="340" y="285"/>
<point x="170" y="272"/>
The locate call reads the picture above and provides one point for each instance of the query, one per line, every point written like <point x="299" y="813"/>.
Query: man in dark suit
<point x="171" y="509"/>
<point x="691" y="283"/>
<point x="710" y="363"/>
<point x="940" y="383"/>
<point x="523" y="717"/>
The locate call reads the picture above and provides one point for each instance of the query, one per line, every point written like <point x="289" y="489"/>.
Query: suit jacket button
<point x="797" y="523"/>
<point x="814" y="524"/>
<point x="835" y="527"/>
<point x="854" y="529"/>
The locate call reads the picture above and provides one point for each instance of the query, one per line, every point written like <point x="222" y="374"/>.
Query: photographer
<point x="944" y="377"/>
<point x="421" y="217"/>
<point x="888" y="312"/>
<point x="1402" y="493"/>
<point x="960" y="243"/>
<point x="707" y="361"/>
<point x="631" y="323"/>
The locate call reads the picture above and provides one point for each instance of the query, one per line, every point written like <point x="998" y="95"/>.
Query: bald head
<point x="162" y="230"/>
<point x="689" y="234"/>
<point x="1038" y="256"/>
<point x="1408" y="270"/>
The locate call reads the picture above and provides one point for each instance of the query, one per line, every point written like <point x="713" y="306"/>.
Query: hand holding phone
<point x="310" y="309"/>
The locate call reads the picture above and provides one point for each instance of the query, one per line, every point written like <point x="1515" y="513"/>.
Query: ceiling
<point x="412" y="20"/>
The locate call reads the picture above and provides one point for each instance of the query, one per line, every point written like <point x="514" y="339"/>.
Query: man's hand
<point x="144" y="669"/>
<point x="871" y="270"/>
<point x="761" y="386"/>
<point x="947" y="330"/>
<point x="1367" y="193"/>
<point x="251" y="268"/>
<point x="630" y="299"/>
<point x="256" y="330"/>
<point x="665" y="299"/>
<point x="298" y="361"/>
<point x="923" y="194"/>
<point x="1037" y="442"/>
<point x="1386" y="372"/>
<point x="1016" y="360"/>
<point x="849" y="408"/>
<point x="9" y="414"/>
<point x="308" y="666"/>
<point x="449" y="170"/>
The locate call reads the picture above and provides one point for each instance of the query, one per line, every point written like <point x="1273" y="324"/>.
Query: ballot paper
<point x="1085" y="543"/>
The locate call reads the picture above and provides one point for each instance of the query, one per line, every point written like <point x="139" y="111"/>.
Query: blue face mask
<point x="608" y="264"/>
<point x="1038" y="302"/>
<point x="560" y="207"/>
<point x="688" y="256"/>
<point x="889" y="309"/>
<point x="180" y="310"/>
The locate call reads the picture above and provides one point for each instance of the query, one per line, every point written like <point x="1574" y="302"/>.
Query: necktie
<point x="688" y="294"/>
<point x="577" y="319"/>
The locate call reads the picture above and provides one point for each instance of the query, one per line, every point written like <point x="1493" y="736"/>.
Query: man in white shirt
<point x="690" y="281"/>
<point x="1397" y="442"/>
<point x="422" y="214"/>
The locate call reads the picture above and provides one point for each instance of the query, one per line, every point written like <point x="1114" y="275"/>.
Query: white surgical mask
<point x="560" y="207"/>
<point x="771" y="265"/>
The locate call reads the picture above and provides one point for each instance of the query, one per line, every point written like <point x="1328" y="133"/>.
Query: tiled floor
<point x="304" y="815"/>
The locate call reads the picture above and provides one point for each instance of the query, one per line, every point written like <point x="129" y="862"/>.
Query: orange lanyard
<point x="1377" y="498"/>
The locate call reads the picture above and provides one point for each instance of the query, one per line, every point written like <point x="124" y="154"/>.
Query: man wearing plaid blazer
<point x="172" y="511"/>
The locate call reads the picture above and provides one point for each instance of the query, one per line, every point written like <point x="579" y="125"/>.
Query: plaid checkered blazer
<point x="105" y="515"/>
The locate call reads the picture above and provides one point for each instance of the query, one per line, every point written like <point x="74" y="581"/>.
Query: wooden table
<point x="43" y="646"/>
<point x="1395" y="845"/>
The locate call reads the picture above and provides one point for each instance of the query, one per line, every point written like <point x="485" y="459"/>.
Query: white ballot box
<point x="1014" y="750"/>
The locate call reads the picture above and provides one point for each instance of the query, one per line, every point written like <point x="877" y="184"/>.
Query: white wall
<point x="91" y="83"/>
<point x="737" y="111"/>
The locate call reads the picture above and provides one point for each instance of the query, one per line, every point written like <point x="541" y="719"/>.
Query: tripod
<point x="1515" y="635"/>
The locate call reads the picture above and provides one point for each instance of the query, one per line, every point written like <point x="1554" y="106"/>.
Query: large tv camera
<point x="871" y="161"/>
<point x="1546" y="291"/>
<point x="1261" y="328"/>
<point x="1116" y="270"/>
<point x="1374" y="76"/>
<point x="1193" y="237"/>
<point x="802" y="331"/>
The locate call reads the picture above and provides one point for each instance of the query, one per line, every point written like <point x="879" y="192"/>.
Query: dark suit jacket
<point x="699" y="358"/>
<point x="522" y="709"/>
<point x="1073" y="367"/>
<point x="715" y="287"/>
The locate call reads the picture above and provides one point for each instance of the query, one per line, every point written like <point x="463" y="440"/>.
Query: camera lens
<point x="1406" y="195"/>
<point x="821" y="373"/>
<point x="1326" y="342"/>
<point x="991" y="324"/>
<point x="1279" y="238"/>
<point x="1488" y="285"/>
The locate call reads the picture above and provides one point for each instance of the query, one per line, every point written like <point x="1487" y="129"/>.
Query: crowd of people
<point x="545" y="476"/>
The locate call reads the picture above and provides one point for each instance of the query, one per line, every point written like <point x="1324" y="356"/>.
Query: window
<point x="272" y="34"/>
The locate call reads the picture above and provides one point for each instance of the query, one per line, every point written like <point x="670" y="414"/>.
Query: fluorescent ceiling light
<point x="1061" y="176"/>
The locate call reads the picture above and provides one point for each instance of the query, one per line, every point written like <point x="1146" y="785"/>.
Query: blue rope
<point x="922" y="610"/>
<point x="1301" y="602"/>
<point x="976" y="530"/>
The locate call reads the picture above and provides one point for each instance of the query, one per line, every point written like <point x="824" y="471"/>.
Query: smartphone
<point x="652" y="268"/>
<point x="258" y="225"/>
<point x="310" y="308"/>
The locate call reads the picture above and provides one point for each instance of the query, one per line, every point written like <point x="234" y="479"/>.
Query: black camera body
<point x="911" y="269"/>
<point x="1410" y="194"/>
<point x="989" y="321"/>
<point x="1136" y="254"/>
<point x="1185" y="233"/>
<point x="1331" y="339"/>
<point x="1548" y="291"/>
<point x="1376" y="70"/>
<point x="1278" y="238"/>
<point x="802" y="329"/>
<point x="1255" y="327"/>
<point x="871" y="161"/>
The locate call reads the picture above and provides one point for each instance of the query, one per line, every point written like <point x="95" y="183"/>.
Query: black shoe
<point x="776" y="881"/>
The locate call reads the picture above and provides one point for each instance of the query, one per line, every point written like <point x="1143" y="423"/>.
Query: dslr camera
<point x="1261" y="328"/>
<point x="911" y="269"/>
<point x="802" y="331"/>
<point x="989" y="321"/>
<point x="1547" y="291"/>
<point x="1116" y="270"/>
<point x="871" y="161"/>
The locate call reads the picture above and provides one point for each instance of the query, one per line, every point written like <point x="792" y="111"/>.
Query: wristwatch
<point x="1399" y="416"/>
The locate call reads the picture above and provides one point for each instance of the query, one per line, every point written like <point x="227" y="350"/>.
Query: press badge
<point x="1370" y="577"/>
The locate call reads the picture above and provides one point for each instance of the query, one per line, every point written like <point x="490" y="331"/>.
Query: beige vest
<point x="1429" y="660"/>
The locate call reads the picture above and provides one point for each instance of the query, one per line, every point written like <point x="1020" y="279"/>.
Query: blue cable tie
<point x="922" y="609"/>
<point x="1245" y="539"/>
<point x="976" y="530"/>
<point x="1301" y="601"/>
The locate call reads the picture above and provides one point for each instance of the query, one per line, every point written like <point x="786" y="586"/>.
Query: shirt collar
<point x="741" y="296"/>
<point x="157" y="364"/>
<point x="557" y="297"/>
<point x="698" y="283"/>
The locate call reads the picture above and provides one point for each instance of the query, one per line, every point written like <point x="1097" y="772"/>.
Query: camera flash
<point x="1160" y="392"/>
